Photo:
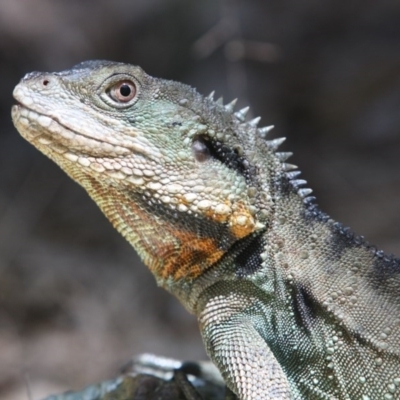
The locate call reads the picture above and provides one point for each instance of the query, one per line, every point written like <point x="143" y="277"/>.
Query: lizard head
<point x="177" y="173"/>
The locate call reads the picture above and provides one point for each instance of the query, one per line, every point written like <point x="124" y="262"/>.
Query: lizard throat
<point x="166" y="242"/>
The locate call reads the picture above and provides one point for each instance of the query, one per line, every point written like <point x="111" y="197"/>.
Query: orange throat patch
<point x="172" y="250"/>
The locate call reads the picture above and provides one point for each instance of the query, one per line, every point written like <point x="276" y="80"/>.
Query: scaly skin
<point x="290" y="304"/>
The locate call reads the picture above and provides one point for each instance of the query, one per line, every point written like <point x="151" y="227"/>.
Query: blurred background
<point x="75" y="301"/>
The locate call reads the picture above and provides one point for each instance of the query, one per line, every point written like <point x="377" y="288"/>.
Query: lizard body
<point x="291" y="305"/>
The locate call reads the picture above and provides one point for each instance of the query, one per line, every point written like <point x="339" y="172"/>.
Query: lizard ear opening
<point x="200" y="149"/>
<point x="204" y="148"/>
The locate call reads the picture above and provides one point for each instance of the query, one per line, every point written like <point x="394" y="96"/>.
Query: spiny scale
<point x="241" y="114"/>
<point x="298" y="182"/>
<point x="283" y="156"/>
<point x="290" y="169"/>
<point x="293" y="174"/>
<point x="264" y="131"/>
<point x="309" y="199"/>
<point x="231" y="106"/>
<point x="254" y="122"/>
<point x="275" y="143"/>
<point x="304" y="192"/>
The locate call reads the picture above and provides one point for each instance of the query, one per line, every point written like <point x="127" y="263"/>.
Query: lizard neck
<point x="332" y="269"/>
<point x="302" y="237"/>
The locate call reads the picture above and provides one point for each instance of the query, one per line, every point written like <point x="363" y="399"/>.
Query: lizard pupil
<point x="125" y="90"/>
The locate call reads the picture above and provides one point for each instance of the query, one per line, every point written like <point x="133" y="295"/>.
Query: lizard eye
<point x="123" y="91"/>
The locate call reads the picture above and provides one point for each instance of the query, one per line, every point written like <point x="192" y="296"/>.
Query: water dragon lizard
<point x="290" y="304"/>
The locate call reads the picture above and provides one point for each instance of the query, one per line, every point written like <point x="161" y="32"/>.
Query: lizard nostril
<point x="45" y="82"/>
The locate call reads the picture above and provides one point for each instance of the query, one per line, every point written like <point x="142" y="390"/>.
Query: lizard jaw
<point x="44" y="130"/>
<point x="52" y="139"/>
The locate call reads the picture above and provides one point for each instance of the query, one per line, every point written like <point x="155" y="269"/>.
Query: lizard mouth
<point x="65" y="145"/>
<point x="48" y="132"/>
<point x="44" y="131"/>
